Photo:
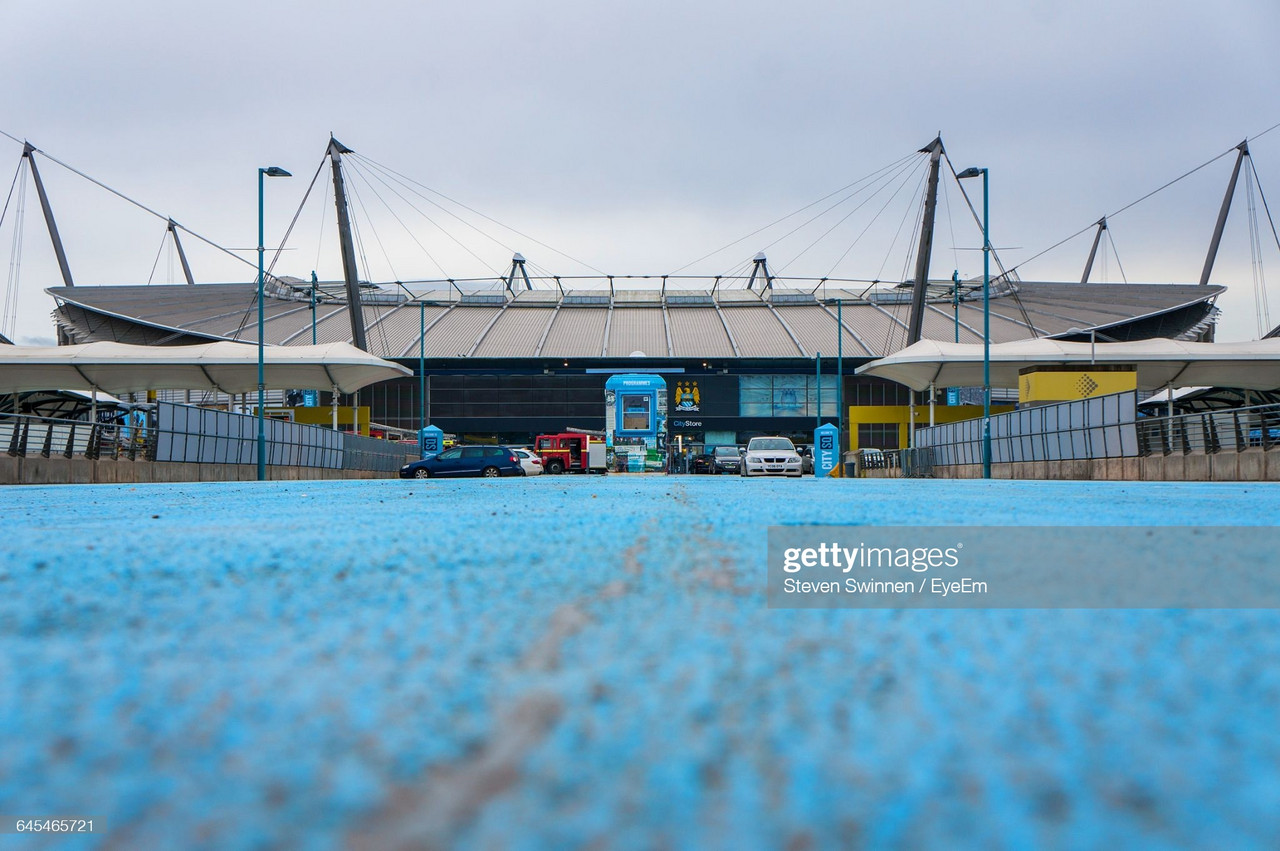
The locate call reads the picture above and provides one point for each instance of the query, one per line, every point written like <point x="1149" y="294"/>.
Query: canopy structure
<point x="225" y="366"/>
<point x="1159" y="363"/>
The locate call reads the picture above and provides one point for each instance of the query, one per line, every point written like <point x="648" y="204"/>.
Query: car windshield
<point x="770" y="443"/>
<point x="730" y="451"/>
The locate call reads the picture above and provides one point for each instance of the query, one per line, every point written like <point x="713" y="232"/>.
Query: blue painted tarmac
<point x="569" y="662"/>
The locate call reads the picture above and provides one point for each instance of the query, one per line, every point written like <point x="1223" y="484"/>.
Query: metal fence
<point x="1102" y="427"/>
<point x="1210" y="432"/>
<point x="191" y="435"/>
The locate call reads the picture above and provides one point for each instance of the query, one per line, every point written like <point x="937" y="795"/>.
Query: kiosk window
<point x="635" y="413"/>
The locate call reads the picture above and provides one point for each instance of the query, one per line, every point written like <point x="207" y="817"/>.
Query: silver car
<point x="771" y="456"/>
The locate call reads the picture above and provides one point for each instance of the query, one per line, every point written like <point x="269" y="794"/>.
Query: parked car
<point x="771" y="456"/>
<point x="702" y="463"/>
<point x="487" y="461"/>
<point x="726" y="459"/>
<point x="530" y="461"/>
<point x="806" y="458"/>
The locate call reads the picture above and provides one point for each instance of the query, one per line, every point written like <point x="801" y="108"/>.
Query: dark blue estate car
<point x="488" y="461"/>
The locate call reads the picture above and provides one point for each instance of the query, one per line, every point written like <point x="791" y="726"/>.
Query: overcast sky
<point x="639" y="137"/>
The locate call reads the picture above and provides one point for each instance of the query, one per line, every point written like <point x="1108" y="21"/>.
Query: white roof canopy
<point x="229" y="367"/>
<point x="1253" y="365"/>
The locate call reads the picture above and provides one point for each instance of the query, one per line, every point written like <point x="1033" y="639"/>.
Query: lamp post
<point x="986" y="318"/>
<point x="273" y="171"/>
<point x="817" y="375"/>
<point x="422" y="368"/>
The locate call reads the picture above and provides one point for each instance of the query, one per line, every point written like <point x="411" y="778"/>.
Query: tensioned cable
<point x="1139" y="201"/>
<point x="124" y="197"/>
<point x="919" y="217"/>
<point x="481" y="215"/>
<point x="1263" y="196"/>
<point x="874" y="219"/>
<point x="435" y="204"/>
<point x="406" y="228"/>
<point x="1261" y="308"/>
<point x="17" y="171"/>
<point x="819" y="215"/>
<point x="10" y="318"/>
<point x="436" y="225"/>
<point x="156" y="262"/>
<point x="906" y="169"/>
<point x="359" y="237"/>
<point x="862" y="179"/>
<point x="294" y="221"/>
<point x="377" y="237"/>
<point x="1111" y="239"/>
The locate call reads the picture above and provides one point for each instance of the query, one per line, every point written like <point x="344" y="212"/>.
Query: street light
<point x="273" y="171"/>
<point x="986" y="319"/>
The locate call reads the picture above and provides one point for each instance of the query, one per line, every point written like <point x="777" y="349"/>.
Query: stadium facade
<point x="509" y="362"/>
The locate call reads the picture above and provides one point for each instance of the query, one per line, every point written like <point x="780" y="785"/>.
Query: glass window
<point x="473" y="452"/>
<point x="450" y="454"/>
<point x="755" y="396"/>
<point x="635" y="413"/>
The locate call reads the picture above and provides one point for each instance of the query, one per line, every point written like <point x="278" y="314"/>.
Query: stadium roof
<point x="547" y="324"/>
<point x="1253" y="365"/>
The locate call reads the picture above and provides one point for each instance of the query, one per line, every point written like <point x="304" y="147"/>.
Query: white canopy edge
<point x="1160" y="363"/>
<point x="226" y="366"/>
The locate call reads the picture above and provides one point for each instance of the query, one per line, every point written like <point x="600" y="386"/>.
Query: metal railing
<point x="199" y="436"/>
<point x="23" y="436"/>
<point x="1211" y="432"/>
<point x="1101" y="427"/>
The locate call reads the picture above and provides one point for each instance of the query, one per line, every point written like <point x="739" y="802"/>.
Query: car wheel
<point x="555" y="467"/>
<point x="422" y="473"/>
<point x="491" y="473"/>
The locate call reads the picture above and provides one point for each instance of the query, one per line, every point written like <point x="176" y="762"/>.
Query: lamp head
<point x="970" y="172"/>
<point x="275" y="171"/>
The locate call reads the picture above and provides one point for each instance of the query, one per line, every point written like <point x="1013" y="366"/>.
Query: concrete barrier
<point x="61" y="471"/>
<point x="1252" y="465"/>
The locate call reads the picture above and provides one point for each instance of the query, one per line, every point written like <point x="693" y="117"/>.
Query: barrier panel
<point x="1103" y="427"/>
<point x="186" y="434"/>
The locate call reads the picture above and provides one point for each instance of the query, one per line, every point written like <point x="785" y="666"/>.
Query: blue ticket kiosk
<point x="635" y="420"/>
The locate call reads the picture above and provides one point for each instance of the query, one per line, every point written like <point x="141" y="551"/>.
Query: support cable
<point x="867" y="200"/>
<point x="847" y="186"/>
<point x="135" y="203"/>
<point x="905" y="168"/>
<point x="875" y="218"/>
<point x="480" y="214"/>
<point x="434" y="224"/>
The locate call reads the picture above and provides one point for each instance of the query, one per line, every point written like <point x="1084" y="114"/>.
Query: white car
<point x="530" y="461"/>
<point x="771" y="456"/>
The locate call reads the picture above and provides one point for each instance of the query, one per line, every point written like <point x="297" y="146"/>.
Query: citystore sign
<point x="686" y="423"/>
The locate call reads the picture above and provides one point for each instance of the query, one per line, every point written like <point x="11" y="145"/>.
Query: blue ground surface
<point x="568" y="662"/>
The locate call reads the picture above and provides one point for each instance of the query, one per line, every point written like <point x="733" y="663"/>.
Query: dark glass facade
<point x="512" y="403"/>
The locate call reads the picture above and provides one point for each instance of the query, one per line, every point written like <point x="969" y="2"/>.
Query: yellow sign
<point x="1064" y="385"/>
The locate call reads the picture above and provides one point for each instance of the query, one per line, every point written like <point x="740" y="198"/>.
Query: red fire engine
<point x="570" y="452"/>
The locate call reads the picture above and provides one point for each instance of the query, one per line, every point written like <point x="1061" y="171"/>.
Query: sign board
<point x="826" y="450"/>
<point x="953" y="396"/>
<point x="430" y="440"/>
